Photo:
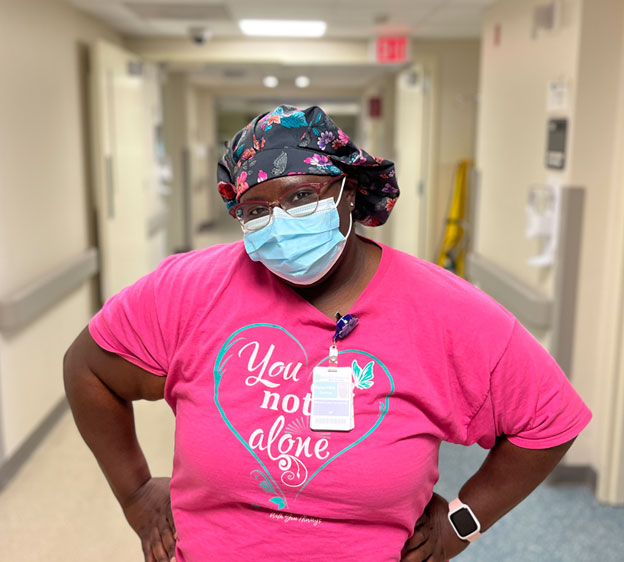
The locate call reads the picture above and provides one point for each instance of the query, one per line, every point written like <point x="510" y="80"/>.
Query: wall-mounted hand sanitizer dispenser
<point x="543" y="212"/>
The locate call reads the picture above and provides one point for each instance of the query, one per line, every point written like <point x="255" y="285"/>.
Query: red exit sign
<point x="392" y="50"/>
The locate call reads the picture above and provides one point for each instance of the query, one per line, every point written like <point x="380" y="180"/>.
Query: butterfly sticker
<point x="363" y="378"/>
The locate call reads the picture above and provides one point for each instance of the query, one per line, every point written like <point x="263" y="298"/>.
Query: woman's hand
<point x="148" y="511"/>
<point x="434" y="540"/>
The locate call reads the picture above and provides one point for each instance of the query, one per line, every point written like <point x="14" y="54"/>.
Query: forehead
<point x="270" y="190"/>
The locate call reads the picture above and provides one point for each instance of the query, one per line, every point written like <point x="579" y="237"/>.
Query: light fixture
<point x="302" y="81"/>
<point x="283" y="28"/>
<point x="270" y="81"/>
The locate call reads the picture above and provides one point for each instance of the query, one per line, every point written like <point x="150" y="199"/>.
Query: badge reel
<point x="332" y="387"/>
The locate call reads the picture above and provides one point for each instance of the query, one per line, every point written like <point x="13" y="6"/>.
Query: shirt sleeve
<point x="531" y="401"/>
<point x="130" y="324"/>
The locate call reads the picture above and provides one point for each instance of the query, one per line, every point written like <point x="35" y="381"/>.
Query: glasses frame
<point x="316" y="186"/>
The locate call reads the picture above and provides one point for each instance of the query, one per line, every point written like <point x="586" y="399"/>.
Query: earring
<point x="352" y="204"/>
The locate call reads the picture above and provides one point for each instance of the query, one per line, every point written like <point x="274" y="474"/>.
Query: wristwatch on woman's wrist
<point x="464" y="521"/>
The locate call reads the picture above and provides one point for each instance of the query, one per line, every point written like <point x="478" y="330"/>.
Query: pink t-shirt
<point x="250" y="480"/>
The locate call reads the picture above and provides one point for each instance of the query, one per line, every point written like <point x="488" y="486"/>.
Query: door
<point x="122" y="171"/>
<point x="410" y="221"/>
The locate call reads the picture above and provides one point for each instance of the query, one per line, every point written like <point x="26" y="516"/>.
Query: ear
<point x="350" y="190"/>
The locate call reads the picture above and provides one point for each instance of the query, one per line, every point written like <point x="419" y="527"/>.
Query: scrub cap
<point x="290" y="141"/>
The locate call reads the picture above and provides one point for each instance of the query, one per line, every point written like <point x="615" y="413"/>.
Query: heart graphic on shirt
<point x="262" y="377"/>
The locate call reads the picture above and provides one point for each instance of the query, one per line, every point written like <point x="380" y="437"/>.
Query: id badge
<point x="332" y="399"/>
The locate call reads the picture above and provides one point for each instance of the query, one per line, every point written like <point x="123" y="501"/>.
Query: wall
<point x="597" y="156"/>
<point x="611" y="330"/>
<point x="176" y="103"/>
<point x="512" y="126"/>
<point x="45" y="202"/>
<point x="586" y="51"/>
<point x="207" y="134"/>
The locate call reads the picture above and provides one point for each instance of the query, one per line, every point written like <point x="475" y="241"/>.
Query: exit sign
<point x="392" y="50"/>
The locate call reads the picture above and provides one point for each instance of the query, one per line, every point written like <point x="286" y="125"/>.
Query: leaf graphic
<point x="305" y="140"/>
<point x="363" y="378"/>
<point x="279" y="164"/>
<point x="297" y="119"/>
<point x="279" y="502"/>
<point x="239" y="152"/>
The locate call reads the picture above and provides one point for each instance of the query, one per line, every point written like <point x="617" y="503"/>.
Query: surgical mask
<point x="300" y="249"/>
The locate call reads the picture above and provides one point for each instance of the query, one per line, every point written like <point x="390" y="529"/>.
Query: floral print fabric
<point x="290" y="141"/>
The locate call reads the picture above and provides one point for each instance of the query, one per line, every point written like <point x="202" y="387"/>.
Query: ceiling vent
<point x="165" y="11"/>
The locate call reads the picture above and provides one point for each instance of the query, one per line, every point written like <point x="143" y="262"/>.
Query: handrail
<point x="21" y="307"/>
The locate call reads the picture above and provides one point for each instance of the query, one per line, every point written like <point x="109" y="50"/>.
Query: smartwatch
<point x="464" y="521"/>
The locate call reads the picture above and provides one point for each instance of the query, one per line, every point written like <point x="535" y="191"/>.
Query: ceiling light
<point x="270" y="81"/>
<point x="302" y="81"/>
<point x="283" y="28"/>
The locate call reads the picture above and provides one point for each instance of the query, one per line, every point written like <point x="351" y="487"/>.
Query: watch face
<point x="464" y="522"/>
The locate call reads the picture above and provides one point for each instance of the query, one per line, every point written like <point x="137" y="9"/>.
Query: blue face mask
<point x="300" y="249"/>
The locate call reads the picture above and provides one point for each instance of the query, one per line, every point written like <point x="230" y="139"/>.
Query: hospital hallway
<point x="505" y="123"/>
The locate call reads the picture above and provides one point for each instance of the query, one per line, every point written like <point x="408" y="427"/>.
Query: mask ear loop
<point x="344" y="179"/>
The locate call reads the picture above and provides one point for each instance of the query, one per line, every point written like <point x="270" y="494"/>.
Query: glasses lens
<point x="253" y="216"/>
<point x="300" y="202"/>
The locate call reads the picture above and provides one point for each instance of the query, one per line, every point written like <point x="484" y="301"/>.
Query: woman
<point x="301" y="434"/>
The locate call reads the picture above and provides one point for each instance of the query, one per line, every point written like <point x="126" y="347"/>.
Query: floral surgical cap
<point x="291" y="141"/>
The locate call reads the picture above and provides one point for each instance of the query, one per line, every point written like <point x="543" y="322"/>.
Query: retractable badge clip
<point x="332" y="386"/>
<point x="344" y="326"/>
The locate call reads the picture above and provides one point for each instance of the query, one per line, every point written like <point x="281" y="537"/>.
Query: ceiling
<point x="345" y="18"/>
<point x="352" y="20"/>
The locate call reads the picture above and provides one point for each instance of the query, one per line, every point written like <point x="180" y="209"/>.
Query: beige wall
<point x="592" y="156"/>
<point x="176" y="101"/>
<point x="512" y="127"/>
<point x="45" y="214"/>
<point x="586" y="51"/>
<point x="207" y="134"/>
<point x="597" y="156"/>
<point x="611" y="330"/>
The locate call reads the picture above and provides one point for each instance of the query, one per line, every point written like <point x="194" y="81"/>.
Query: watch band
<point x="456" y="505"/>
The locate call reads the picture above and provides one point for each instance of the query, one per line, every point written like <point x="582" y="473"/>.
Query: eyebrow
<point x="285" y="188"/>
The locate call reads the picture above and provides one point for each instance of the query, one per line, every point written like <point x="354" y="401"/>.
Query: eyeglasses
<point x="299" y="201"/>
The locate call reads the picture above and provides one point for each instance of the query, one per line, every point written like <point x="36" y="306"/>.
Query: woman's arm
<point x="100" y="387"/>
<point x="507" y="476"/>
